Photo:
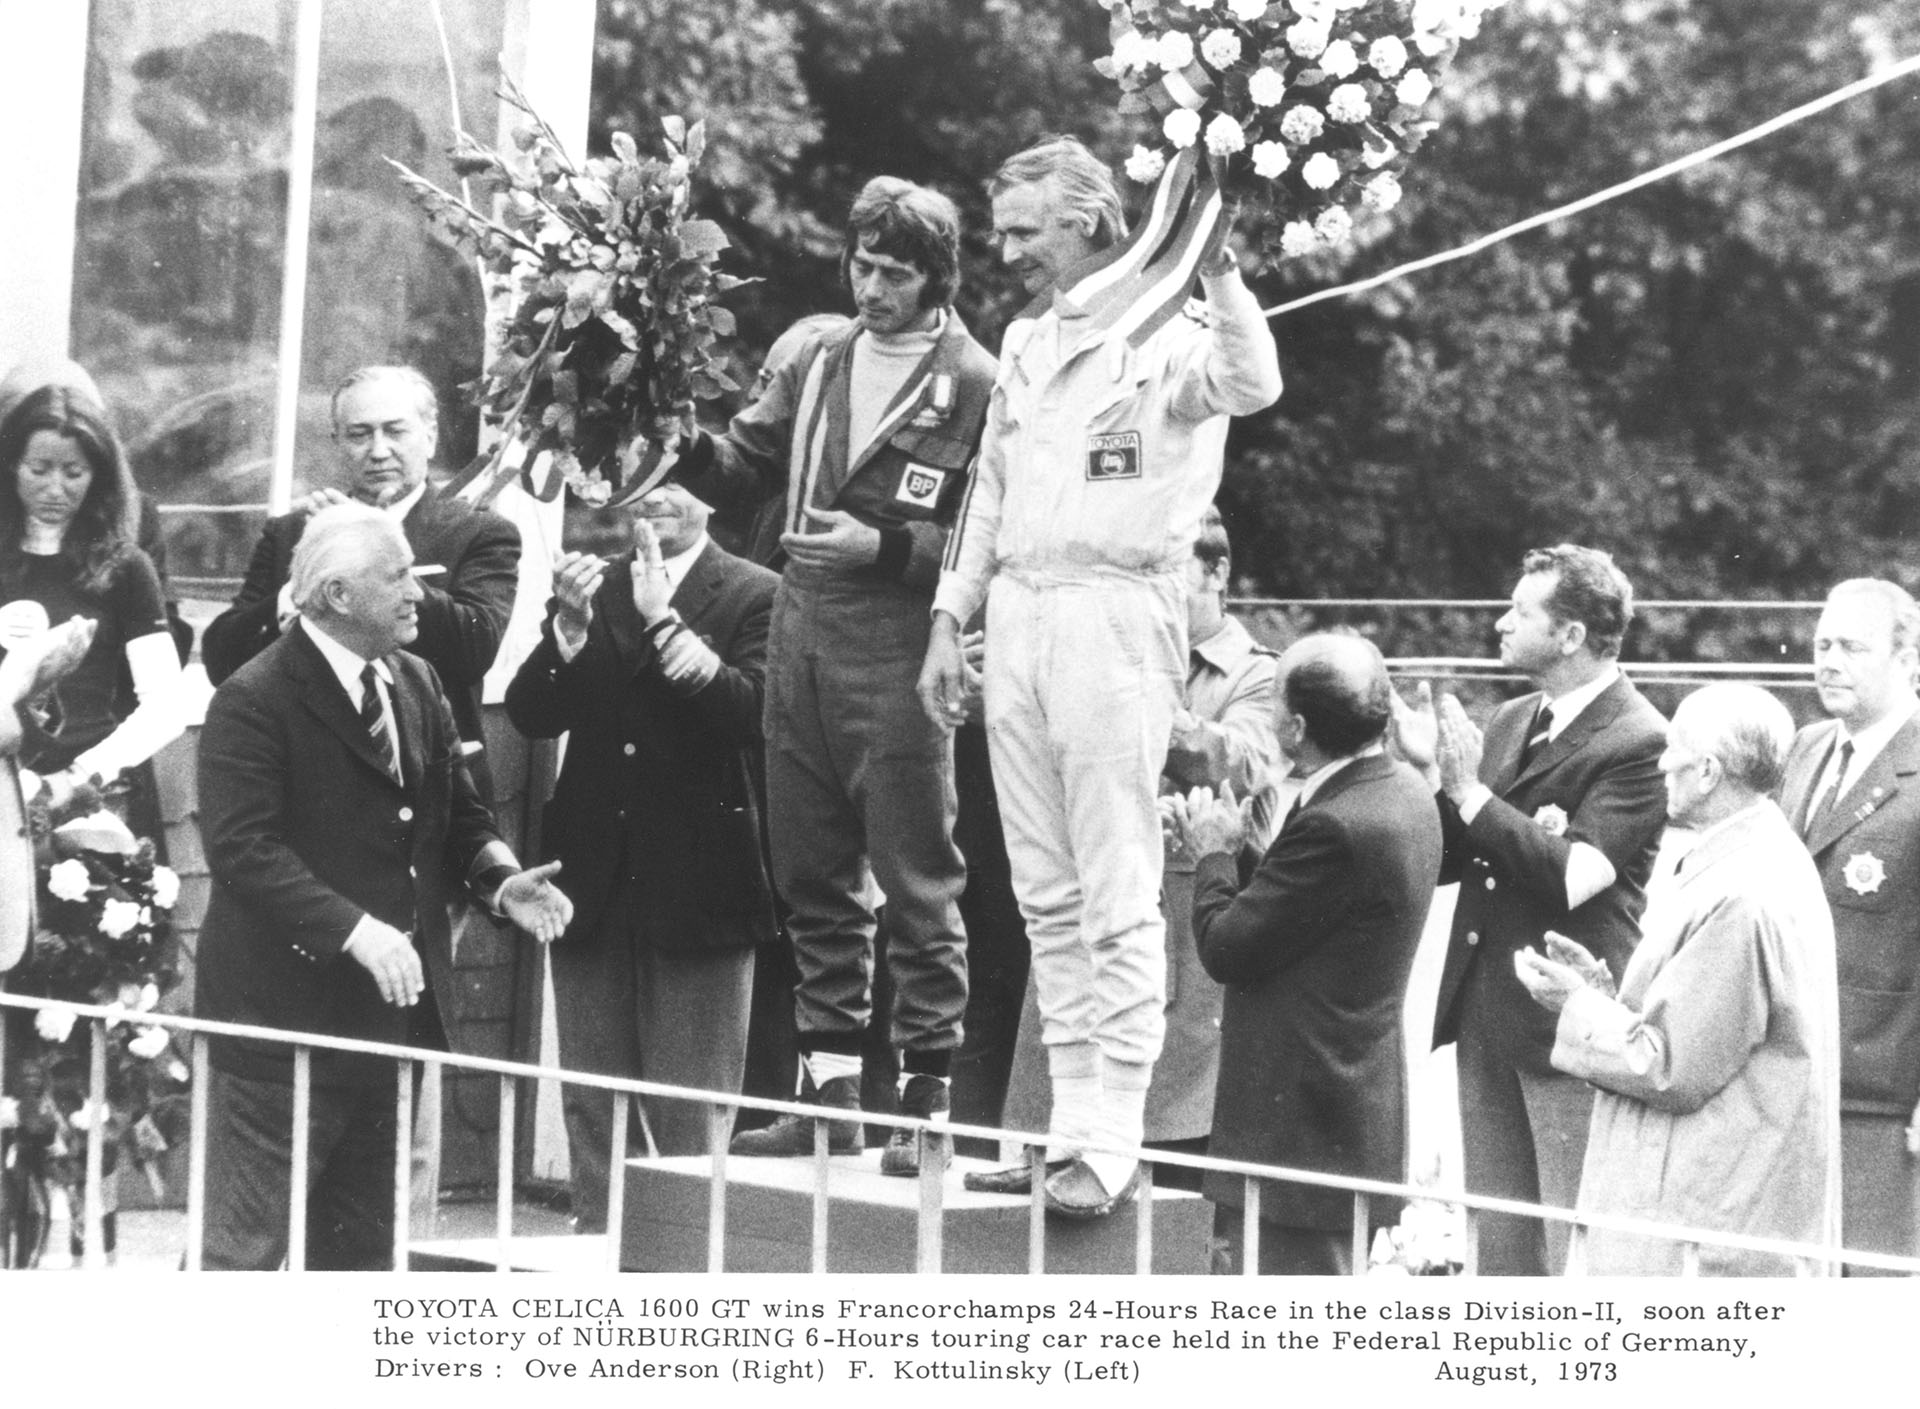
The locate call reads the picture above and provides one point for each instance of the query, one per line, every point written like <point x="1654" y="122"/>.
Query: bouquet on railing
<point x="1307" y="108"/>
<point x="611" y="341"/>
<point x="103" y="936"/>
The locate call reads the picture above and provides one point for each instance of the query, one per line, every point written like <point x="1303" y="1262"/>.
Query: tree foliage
<point x="1713" y="378"/>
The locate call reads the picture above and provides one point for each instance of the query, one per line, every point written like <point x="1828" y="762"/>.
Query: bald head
<point x="1334" y="696"/>
<point x="1726" y="749"/>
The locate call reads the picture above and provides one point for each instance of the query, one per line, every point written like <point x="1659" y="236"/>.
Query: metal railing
<point x="722" y="1109"/>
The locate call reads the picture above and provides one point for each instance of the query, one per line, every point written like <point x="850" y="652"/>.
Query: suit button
<point x="1473" y="936"/>
<point x="1489" y="882"/>
<point x="628" y="750"/>
<point x="406" y="814"/>
<point x="621" y="815"/>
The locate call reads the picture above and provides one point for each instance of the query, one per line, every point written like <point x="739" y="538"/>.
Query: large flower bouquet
<point x="1309" y="108"/>
<point x="102" y="937"/>
<point x="611" y="340"/>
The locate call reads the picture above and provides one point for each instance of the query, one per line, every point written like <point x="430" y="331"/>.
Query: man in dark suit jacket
<point x="338" y="818"/>
<point x="1551" y="821"/>
<point x="1852" y="791"/>
<point x="654" y="666"/>
<point x="386" y="424"/>
<point x="1314" y="953"/>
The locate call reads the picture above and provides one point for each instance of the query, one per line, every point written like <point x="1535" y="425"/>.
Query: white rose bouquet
<point x="103" y="936"/>
<point x="1309" y="108"/>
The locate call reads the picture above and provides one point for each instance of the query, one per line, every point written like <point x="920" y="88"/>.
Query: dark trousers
<point x="858" y="778"/>
<point x="636" y="1011"/>
<point x="353" y="1141"/>
<point x="997" y="954"/>
<point x="1879" y="1189"/>
<point x="1524" y="1137"/>
<point x="1284" y="1251"/>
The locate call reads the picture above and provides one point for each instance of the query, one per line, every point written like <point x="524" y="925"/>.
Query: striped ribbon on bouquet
<point x="1135" y="286"/>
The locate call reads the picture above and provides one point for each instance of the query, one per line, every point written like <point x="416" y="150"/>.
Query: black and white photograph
<point x="931" y="668"/>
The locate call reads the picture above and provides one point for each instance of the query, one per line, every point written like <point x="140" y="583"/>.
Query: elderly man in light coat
<point x="1718" y="1062"/>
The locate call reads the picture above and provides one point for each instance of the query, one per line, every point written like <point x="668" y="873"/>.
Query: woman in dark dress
<point x="68" y="517"/>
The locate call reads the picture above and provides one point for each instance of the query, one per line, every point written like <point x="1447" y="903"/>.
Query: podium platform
<point x="873" y="1222"/>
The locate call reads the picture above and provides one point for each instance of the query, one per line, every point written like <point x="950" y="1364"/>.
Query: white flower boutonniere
<point x="1865" y="873"/>
<point x="1552" y="820"/>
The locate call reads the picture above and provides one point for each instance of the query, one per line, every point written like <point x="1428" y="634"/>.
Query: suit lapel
<point x="1501" y="765"/>
<point x="695" y="595"/>
<point x="409" y="724"/>
<point x="1808" y="762"/>
<point x="1604" y="709"/>
<point x="1874" y="789"/>
<point x="324" y="698"/>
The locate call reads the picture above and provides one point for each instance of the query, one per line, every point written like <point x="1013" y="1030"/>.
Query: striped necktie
<point x="373" y="717"/>
<point x="1538" y="736"/>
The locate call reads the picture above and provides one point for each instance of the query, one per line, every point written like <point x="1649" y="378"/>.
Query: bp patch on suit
<point x="920" y="485"/>
<point x="1115" y="456"/>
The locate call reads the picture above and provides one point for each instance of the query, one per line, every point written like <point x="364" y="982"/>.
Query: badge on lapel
<point x="1114" y="456"/>
<point x="1865" y="873"/>
<point x="1551" y="820"/>
<point x="939" y="404"/>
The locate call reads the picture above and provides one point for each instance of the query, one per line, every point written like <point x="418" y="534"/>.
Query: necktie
<point x="1537" y="736"/>
<point x="373" y="717"/>
<point x="1823" y="810"/>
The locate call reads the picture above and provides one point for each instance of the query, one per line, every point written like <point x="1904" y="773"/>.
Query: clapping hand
<point x="1461" y="746"/>
<point x="1416" y="729"/>
<point x="1563" y="971"/>
<point x="532" y="901"/>
<point x="652" y="589"/>
<point x="576" y="578"/>
<point x="1207" y="824"/>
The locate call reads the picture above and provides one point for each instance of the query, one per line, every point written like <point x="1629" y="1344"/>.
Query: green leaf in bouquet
<point x="702" y="239"/>
<point x="721" y="320"/>
<point x="696" y="143"/>
<point x="676" y="129"/>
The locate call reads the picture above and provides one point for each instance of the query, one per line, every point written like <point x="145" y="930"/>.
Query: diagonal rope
<point x="1646" y="178"/>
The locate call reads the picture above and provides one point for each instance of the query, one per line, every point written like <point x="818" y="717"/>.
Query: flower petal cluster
<point x="69" y="879"/>
<point x="1387" y="55"/>
<point x="1307" y="39"/>
<point x="1298" y="238"/>
<point x="1225" y="136"/>
<point x="1320" y="171"/>
<point x="1133" y="52"/>
<point x="117" y="917"/>
<point x="1270" y="159"/>
<point x="1267" y="87"/>
<point x="1301" y="125"/>
<point x="1340" y="60"/>
<point x="1414" y="87"/>
<point x="1145" y="164"/>
<point x="1334" y="225"/>
<point x="1182" y="125"/>
<point x="166" y="887"/>
<point x="148" y="1043"/>
<point x="1383" y="192"/>
<point x="54" y="1024"/>
<point x="1247" y="11"/>
<point x="1348" y="103"/>
<point x="1221" y="48"/>
<point x="1175" y="50"/>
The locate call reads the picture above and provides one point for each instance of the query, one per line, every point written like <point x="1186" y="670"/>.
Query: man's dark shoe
<point x="1076" y="1192"/>
<point x="1014" y="1179"/>
<point x="793" y="1134"/>
<point x="924" y="1098"/>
